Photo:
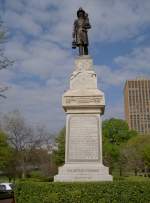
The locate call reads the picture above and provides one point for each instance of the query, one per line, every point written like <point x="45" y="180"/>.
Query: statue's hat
<point x="80" y="10"/>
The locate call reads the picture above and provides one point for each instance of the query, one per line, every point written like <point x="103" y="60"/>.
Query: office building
<point x="137" y="105"/>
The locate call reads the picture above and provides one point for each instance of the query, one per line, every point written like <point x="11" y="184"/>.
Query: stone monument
<point x="84" y="104"/>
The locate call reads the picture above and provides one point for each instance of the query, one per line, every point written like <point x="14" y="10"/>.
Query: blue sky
<point x="39" y="41"/>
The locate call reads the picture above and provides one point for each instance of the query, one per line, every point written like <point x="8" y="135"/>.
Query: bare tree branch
<point x="25" y="139"/>
<point x="4" y="61"/>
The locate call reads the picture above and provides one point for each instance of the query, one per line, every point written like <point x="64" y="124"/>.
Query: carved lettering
<point x="83" y="138"/>
<point x="83" y="170"/>
<point x="83" y="100"/>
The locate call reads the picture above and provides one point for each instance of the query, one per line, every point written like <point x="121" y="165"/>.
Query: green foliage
<point x="137" y="153"/>
<point x="137" y="178"/>
<point x="5" y="150"/>
<point x="131" y="178"/>
<point x="105" y="192"/>
<point x="59" y="154"/>
<point x="115" y="134"/>
<point x="116" y="131"/>
<point x="146" y="150"/>
<point x="36" y="174"/>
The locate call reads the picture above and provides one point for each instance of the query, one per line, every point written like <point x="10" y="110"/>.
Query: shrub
<point x="37" y="176"/>
<point x="100" y="192"/>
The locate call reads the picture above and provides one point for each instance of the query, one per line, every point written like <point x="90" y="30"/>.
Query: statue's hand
<point x="74" y="45"/>
<point x="87" y="26"/>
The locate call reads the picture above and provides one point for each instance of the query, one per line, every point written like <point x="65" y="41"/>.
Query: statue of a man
<point x="80" y="29"/>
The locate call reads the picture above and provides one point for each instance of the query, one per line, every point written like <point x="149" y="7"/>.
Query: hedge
<point x="100" y="192"/>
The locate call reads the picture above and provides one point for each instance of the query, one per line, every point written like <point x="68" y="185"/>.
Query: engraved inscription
<point x="83" y="100"/>
<point x="83" y="178"/>
<point x="83" y="138"/>
<point x="83" y="170"/>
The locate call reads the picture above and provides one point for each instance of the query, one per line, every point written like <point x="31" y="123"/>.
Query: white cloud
<point x="23" y="22"/>
<point x="130" y="66"/>
<point x="111" y="20"/>
<point x="138" y="60"/>
<point x="40" y="35"/>
<point x="41" y="58"/>
<point x="113" y="110"/>
<point x="39" y="104"/>
<point x="17" y="50"/>
<point x="6" y="75"/>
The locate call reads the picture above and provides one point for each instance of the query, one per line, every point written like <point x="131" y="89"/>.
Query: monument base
<point x="83" y="172"/>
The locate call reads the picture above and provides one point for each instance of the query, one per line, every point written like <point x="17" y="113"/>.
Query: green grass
<point x="4" y="179"/>
<point x="137" y="178"/>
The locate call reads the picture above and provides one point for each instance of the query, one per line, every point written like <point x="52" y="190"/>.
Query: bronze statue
<point x="80" y="29"/>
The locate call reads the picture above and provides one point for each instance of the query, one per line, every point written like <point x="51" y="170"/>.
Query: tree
<point x="4" y="61"/>
<point x="137" y="154"/>
<point x="116" y="131"/>
<point x="59" y="153"/>
<point x="115" y="134"/>
<point x="20" y="137"/>
<point x="41" y="160"/>
<point x="146" y="152"/>
<point x="5" y="150"/>
<point x="23" y="138"/>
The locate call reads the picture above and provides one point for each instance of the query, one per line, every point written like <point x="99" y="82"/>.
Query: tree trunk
<point x="23" y="175"/>
<point x="145" y="171"/>
<point x="120" y="171"/>
<point x="135" y="171"/>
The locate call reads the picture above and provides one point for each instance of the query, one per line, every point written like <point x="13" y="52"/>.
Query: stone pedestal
<point x="84" y="104"/>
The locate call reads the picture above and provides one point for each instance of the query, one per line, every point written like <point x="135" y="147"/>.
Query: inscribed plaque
<point x="83" y="138"/>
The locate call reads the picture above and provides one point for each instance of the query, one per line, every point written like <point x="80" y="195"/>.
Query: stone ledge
<point x="82" y="172"/>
